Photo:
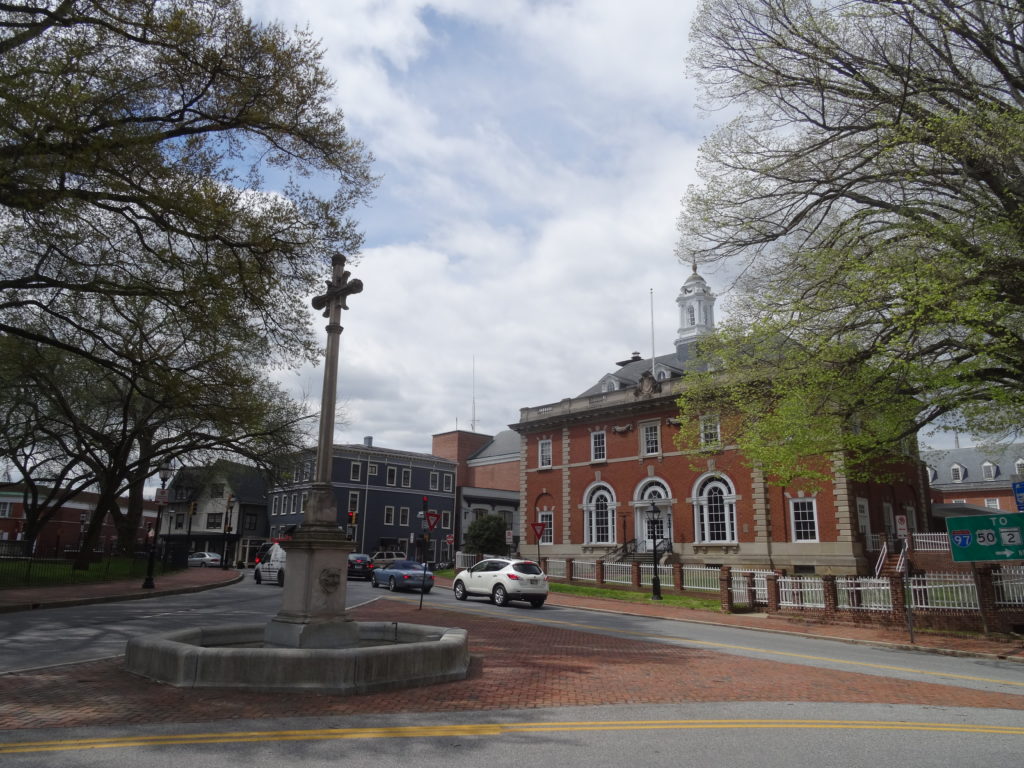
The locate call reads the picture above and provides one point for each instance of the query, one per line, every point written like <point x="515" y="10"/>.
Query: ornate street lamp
<point x="166" y="470"/>
<point x="653" y="517"/>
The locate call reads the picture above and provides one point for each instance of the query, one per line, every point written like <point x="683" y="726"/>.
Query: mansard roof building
<point x="603" y="472"/>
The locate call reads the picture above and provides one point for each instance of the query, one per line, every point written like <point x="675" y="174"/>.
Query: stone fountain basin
<point x="388" y="656"/>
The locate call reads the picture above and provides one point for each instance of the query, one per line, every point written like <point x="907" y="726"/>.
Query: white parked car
<point x="270" y="568"/>
<point x="503" y="579"/>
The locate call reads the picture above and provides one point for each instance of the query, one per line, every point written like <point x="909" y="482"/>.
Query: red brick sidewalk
<point x="515" y="665"/>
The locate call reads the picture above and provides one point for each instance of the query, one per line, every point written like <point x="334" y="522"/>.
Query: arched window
<point x="655" y="528"/>
<point x="599" y="516"/>
<point x="716" y="511"/>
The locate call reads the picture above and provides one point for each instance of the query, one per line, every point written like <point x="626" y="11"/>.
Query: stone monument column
<point x="313" y="611"/>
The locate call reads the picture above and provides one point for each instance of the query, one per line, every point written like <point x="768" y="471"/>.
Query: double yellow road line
<point x="492" y="729"/>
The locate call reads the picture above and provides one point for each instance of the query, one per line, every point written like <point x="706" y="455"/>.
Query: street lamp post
<point x="227" y="531"/>
<point x="653" y="516"/>
<point x="165" y="475"/>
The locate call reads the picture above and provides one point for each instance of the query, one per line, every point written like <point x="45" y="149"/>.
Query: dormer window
<point x="957" y="473"/>
<point x="610" y="385"/>
<point x="932" y="474"/>
<point x="989" y="470"/>
<point x="1018" y="467"/>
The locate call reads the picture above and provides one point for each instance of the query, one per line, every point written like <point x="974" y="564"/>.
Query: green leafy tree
<point x="163" y="149"/>
<point x="868" y="190"/>
<point x="486" y="535"/>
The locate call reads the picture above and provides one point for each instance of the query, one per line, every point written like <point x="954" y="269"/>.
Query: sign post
<point x="538" y="531"/>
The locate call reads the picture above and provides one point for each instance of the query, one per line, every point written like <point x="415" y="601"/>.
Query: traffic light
<point x="192" y="508"/>
<point x="425" y="500"/>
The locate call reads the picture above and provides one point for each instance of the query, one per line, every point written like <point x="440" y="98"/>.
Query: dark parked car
<point x="359" y="566"/>
<point x="403" y="574"/>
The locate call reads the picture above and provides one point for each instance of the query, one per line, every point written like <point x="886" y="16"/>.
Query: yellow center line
<point x="492" y="729"/>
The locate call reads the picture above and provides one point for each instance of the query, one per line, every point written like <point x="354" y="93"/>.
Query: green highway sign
<point x="986" y="537"/>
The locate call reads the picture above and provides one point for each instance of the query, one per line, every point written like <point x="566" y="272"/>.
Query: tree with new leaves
<point x="486" y="535"/>
<point x="868" y="190"/>
<point x="164" y="149"/>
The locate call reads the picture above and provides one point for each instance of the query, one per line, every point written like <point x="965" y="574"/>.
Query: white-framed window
<point x="403" y="516"/>
<point x="650" y="438"/>
<point x="992" y="503"/>
<point x="406" y="477"/>
<point x="549" y="528"/>
<point x="932" y="474"/>
<point x="214" y="520"/>
<point x="435" y="478"/>
<point x="959" y="501"/>
<point x="355" y="471"/>
<point x="446" y="519"/>
<point x="956" y="473"/>
<point x="448" y="481"/>
<point x="1018" y="467"/>
<point x="307" y="470"/>
<point x="598" y="446"/>
<point x="275" y="502"/>
<point x="305" y="496"/>
<point x="710" y="430"/>
<point x="353" y="503"/>
<point x="544" y="453"/>
<point x="389" y="515"/>
<point x="804" y="519"/>
<point x="6" y="509"/>
<point x="691" y="316"/>
<point x="599" y="516"/>
<point x="392" y="476"/>
<point x="371" y="470"/>
<point x="610" y="385"/>
<point x="295" y="503"/>
<point x="716" y="511"/>
<point x="989" y="471"/>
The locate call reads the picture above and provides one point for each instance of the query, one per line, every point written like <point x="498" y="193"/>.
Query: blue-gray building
<point x="381" y="494"/>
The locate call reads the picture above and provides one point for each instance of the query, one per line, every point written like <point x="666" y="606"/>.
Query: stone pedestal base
<point x="312" y="611"/>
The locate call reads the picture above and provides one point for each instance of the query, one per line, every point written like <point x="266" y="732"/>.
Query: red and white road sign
<point x="449" y="539"/>
<point x="538" y="529"/>
<point x="432" y="518"/>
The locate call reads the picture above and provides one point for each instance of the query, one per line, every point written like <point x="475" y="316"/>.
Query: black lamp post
<point x="227" y="531"/>
<point x="165" y="475"/>
<point x="653" y="515"/>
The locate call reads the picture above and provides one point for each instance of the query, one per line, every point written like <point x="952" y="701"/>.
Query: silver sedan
<point x="403" y="574"/>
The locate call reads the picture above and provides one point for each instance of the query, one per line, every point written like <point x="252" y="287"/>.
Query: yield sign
<point x="432" y="518"/>
<point x="538" y="529"/>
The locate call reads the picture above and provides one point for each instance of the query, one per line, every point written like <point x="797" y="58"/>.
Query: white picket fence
<point x="943" y="592"/>
<point x="801" y="592"/>
<point x="861" y="593"/>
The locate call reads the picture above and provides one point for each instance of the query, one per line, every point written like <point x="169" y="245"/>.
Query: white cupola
<point x="696" y="314"/>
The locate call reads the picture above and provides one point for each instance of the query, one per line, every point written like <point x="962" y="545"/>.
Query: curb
<point x="141" y="595"/>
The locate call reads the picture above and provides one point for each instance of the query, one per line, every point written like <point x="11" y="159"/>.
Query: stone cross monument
<point x="312" y="611"/>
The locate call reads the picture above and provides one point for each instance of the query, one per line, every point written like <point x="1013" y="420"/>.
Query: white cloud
<point x="533" y="158"/>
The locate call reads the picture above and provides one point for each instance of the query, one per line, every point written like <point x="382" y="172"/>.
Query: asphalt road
<point x="765" y="734"/>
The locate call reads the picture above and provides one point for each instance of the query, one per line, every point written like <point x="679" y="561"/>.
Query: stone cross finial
<point x="339" y="287"/>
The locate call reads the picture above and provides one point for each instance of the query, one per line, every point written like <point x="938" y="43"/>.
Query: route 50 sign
<point x="986" y="537"/>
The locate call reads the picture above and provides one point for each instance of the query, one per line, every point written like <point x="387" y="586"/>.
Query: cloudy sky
<point x="533" y="157"/>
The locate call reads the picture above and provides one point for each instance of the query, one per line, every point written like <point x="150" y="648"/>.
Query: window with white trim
<point x="389" y="515"/>
<point x="716" y="511"/>
<point x="392" y="475"/>
<point x="650" y="438"/>
<point x="448" y="481"/>
<point x="599" y="516"/>
<point x="406" y="478"/>
<point x="544" y="453"/>
<point x="435" y="478"/>
<point x="274" y="505"/>
<point x="446" y="519"/>
<point x="1018" y="467"/>
<point x="956" y="473"/>
<point x="295" y="503"/>
<point x="6" y="509"/>
<point x="804" y="519"/>
<point x="598" y="450"/>
<point x="305" y="496"/>
<point x="959" y="501"/>
<point x="353" y="504"/>
<point x="992" y="503"/>
<point x="989" y="471"/>
<point x="710" y="430"/>
<point x="549" y="528"/>
<point x="371" y="470"/>
<point x="355" y="472"/>
<point x="403" y="517"/>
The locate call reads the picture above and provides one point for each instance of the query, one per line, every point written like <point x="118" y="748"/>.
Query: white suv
<point x="502" y="580"/>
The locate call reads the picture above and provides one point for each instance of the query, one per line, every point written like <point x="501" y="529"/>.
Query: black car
<point x="359" y="566"/>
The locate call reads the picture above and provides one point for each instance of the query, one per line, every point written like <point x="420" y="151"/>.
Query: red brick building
<point x="602" y="470"/>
